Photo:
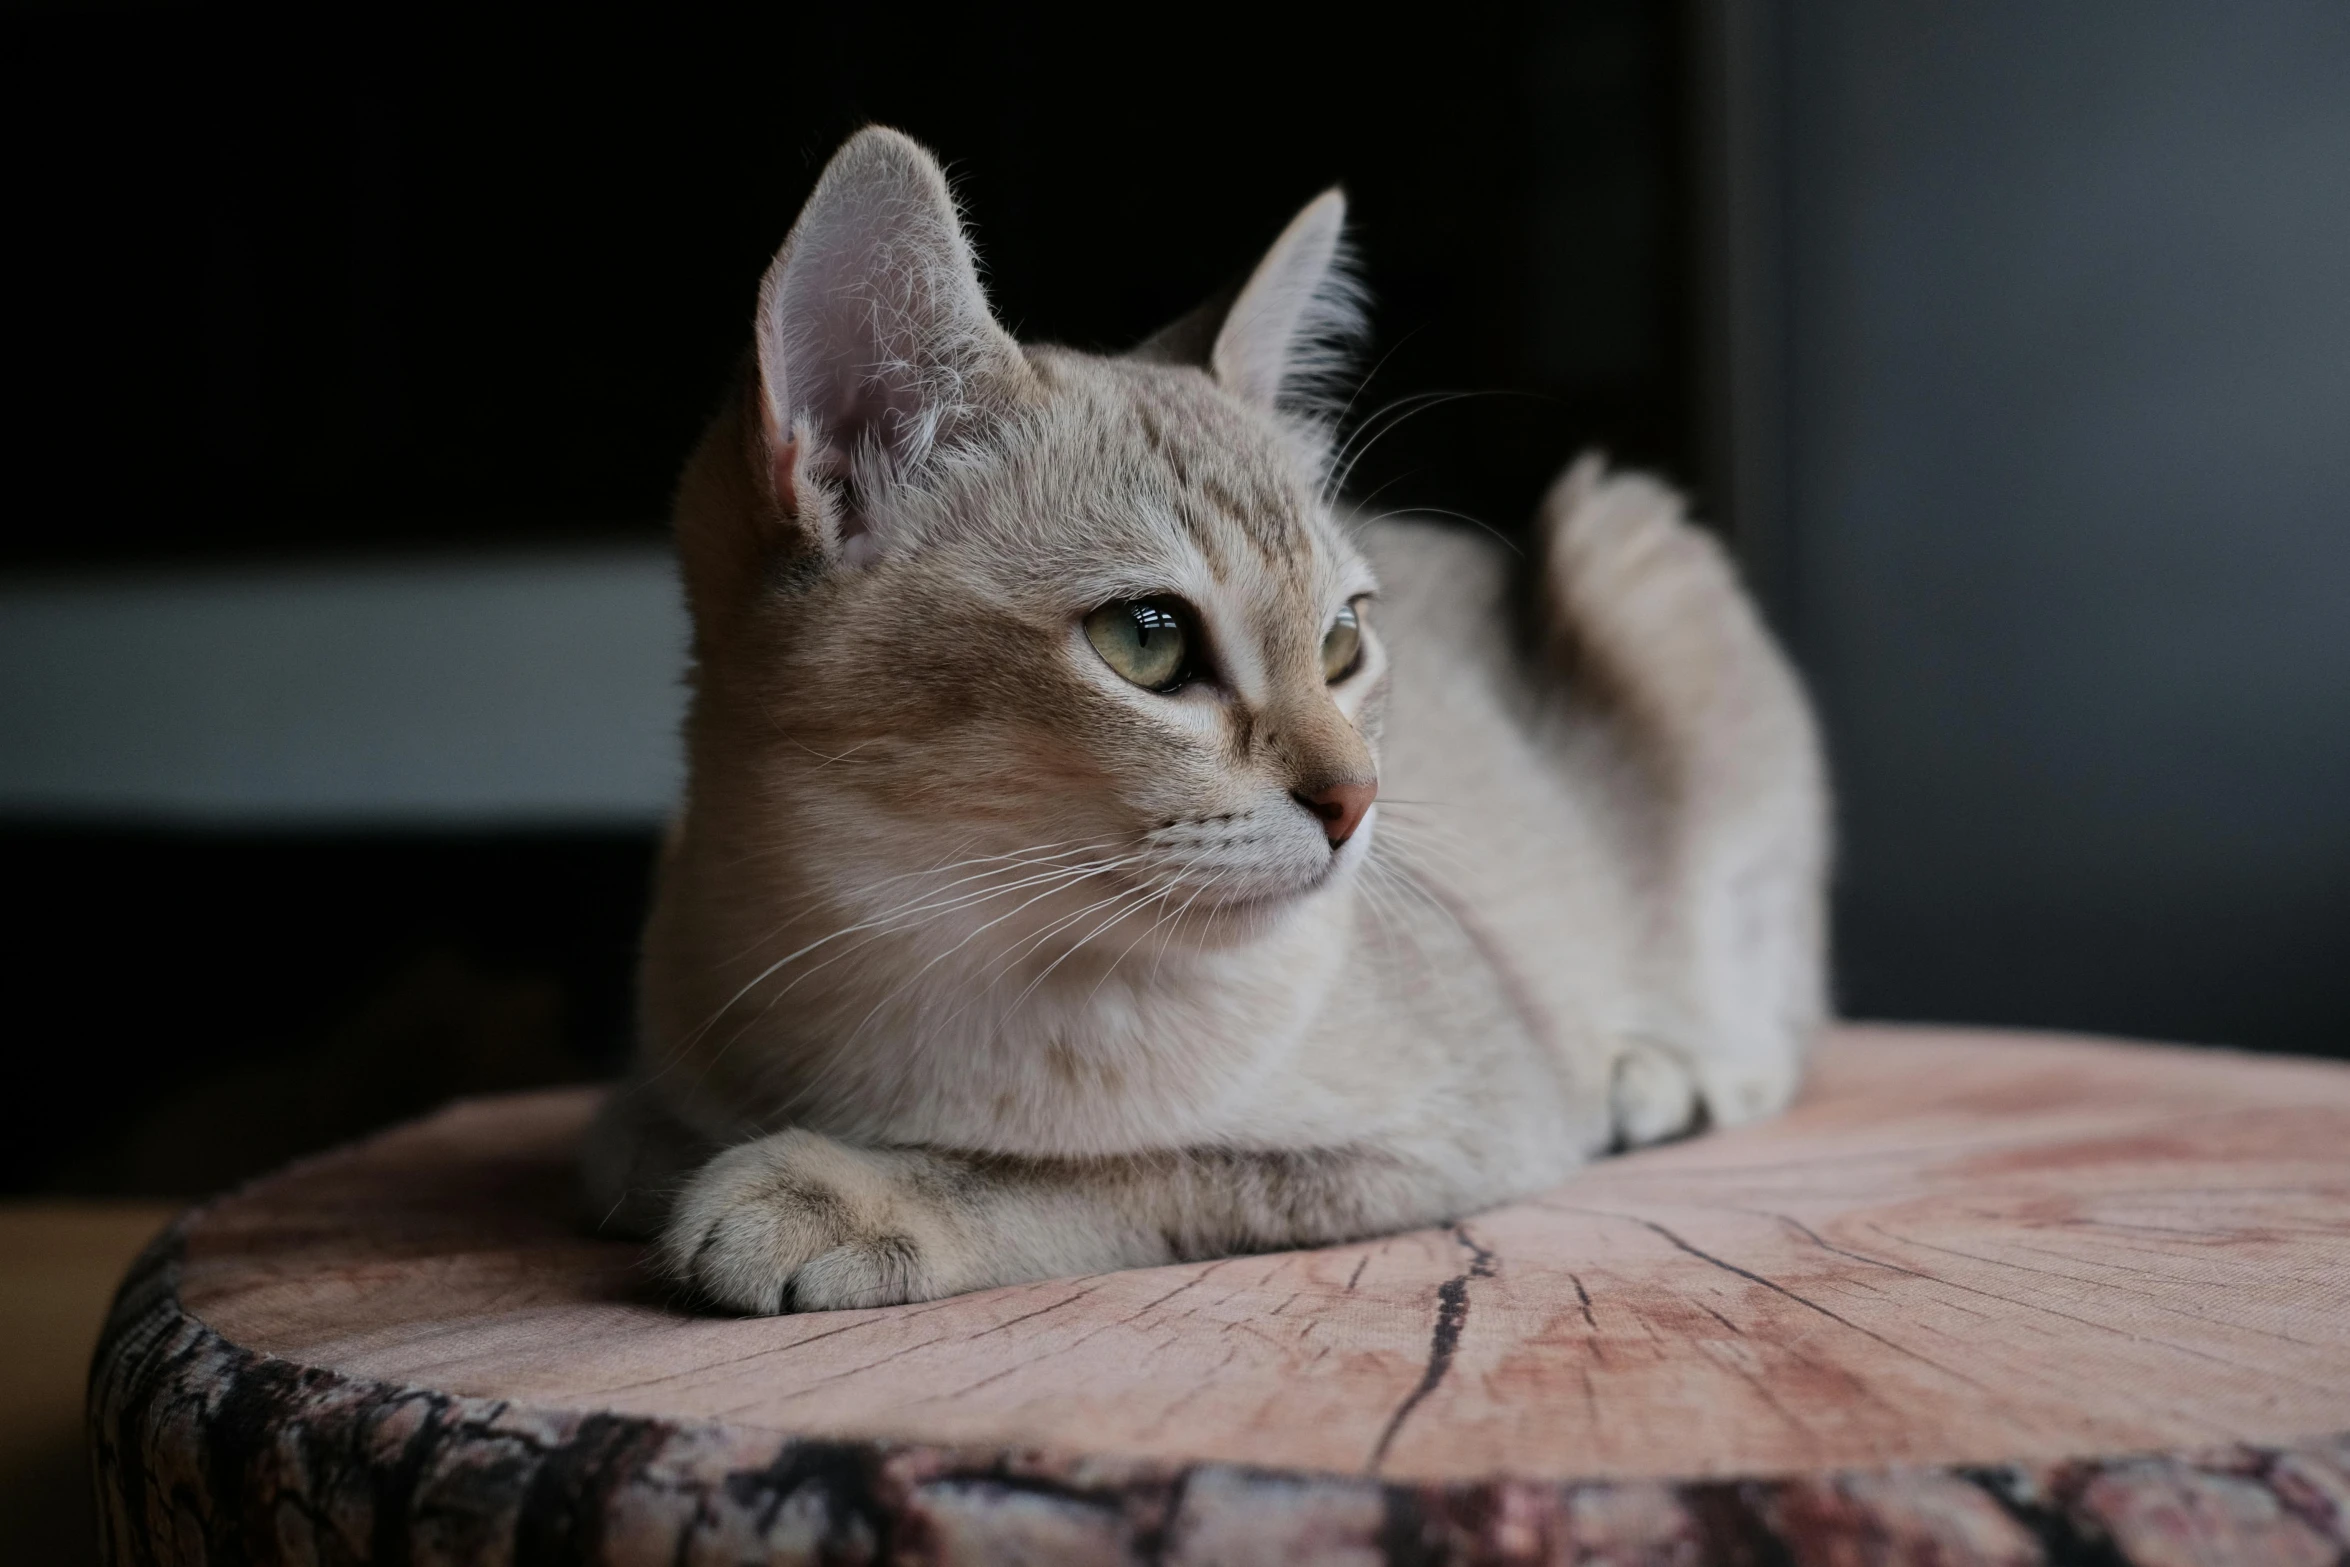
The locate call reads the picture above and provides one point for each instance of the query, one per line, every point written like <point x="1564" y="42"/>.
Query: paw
<point x="799" y="1222"/>
<point x="1651" y="1096"/>
<point x="1658" y="1093"/>
<point x="1614" y="533"/>
<point x="1734" y="1095"/>
<point x="1641" y="588"/>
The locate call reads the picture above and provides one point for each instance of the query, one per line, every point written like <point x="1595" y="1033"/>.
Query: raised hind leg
<point x="1725" y="791"/>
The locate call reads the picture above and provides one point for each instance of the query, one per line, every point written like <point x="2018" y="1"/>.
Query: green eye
<point x="1342" y="646"/>
<point x="1144" y="640"/>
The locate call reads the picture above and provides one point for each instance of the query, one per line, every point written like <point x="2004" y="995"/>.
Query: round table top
<point x="1963" y="1286"/>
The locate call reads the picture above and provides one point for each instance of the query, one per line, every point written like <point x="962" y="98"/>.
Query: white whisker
<point x="891" y="922"/>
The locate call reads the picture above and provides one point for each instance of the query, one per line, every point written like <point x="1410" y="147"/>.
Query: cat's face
<point x="1126" y="630"/>
<point x="1045" y="646"/>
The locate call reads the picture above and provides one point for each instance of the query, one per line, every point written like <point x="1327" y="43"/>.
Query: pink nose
<point x="1341" y="807"/>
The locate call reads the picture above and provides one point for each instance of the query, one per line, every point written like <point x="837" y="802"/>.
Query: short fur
<point x="973" y="963"/>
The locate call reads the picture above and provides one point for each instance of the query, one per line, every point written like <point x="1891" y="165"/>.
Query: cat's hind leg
<point x="1725" y="791"/>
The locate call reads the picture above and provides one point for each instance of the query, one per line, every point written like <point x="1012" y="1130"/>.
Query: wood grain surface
<point x="1994" y="1296"/>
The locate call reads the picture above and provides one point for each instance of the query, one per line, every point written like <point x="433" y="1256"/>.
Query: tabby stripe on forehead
<point x="1214" y="512"/>
<point x="1156" y="435"/>
<point x="1203" y="501"/>
<point x="1261" y="517"/>
<point x="1172" y="453"/>
<point x="1201" y="525"/>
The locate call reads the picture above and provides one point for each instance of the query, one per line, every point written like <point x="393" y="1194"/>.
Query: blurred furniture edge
<point x="495" y="690"/>
<point x="59" y="1263"/>
<point x="1977" y="1297"/>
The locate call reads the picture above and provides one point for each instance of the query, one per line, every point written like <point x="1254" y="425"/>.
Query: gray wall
<point x="522" y="691"/>
<point x="2061" y="525"/>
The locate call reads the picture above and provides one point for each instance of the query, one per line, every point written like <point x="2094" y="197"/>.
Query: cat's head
<point x="956" y="597"/>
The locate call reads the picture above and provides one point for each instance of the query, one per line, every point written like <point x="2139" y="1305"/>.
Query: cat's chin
<point x="1238" y="919"/>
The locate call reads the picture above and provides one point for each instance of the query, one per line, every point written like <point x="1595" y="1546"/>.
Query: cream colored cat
<point x="1101" y="851"/>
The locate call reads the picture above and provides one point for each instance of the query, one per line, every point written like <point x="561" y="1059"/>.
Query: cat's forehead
<point x="1178" y="468"/>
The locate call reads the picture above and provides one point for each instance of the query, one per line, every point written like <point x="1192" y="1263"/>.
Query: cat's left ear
<point x="1290" y="329"/>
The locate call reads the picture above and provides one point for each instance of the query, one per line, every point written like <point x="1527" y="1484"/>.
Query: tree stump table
<point x="1976" y="1298"/>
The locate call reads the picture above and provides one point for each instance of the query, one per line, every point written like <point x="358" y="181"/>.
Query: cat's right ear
<point x="1278" y="339"/>
<point x="875" y="346"/>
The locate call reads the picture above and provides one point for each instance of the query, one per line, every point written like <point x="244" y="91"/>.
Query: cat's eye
<point x="1146" y="640"/>
<point x="1342" y="645"/>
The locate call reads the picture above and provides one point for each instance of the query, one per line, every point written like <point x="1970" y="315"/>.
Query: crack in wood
<point x="1444" y="1339"/>
<point x="1718" y="1317"/>
<point x="1070" y="1299"/>
<point x="1801" y="1300"/>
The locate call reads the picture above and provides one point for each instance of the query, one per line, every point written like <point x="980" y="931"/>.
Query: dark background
<point x="311" y="285"/>
<point x="2061" y="529"/>
<point x="2007" y="348"/>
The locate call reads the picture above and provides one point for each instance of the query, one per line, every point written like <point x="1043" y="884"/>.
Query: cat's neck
<point x="1119" y="1043"/>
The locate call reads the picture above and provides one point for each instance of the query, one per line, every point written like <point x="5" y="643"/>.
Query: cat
<point x="1100" y="850"/>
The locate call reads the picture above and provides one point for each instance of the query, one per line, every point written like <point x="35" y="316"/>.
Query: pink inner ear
<point x="855" y="539"/>
<point x="783" y="456"/>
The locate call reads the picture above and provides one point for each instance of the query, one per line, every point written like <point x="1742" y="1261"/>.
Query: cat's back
<point x="1445" y="607"/>
<point x="1469" y="716"/>
<point x="1489" y="793"/>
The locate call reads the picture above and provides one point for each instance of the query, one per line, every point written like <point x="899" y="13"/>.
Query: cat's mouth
<point x="1242" y="877"/>
<point x="1272" y="900"/>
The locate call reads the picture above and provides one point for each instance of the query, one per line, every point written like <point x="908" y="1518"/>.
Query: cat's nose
<point x="1341" y="806"/>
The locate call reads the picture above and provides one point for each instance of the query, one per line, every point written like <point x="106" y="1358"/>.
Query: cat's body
<point x="975" y="961"/>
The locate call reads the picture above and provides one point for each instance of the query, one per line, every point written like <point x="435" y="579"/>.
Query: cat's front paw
<point x="799" y="1222"/>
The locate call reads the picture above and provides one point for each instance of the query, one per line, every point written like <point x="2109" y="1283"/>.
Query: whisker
<point x="1210" y="884"/>
<point x="948" y="953"/>
<point x="839" y="1059"/>
<point x="1410" y="881"/>
<point x="1371" y="432"/>
<point x="1126" y="905"/>
<point x="827" y="761"/>
<point x="1164" y="894"/>
<point x="1378" y="900"/>
<point x="1499" y="537"/>
<point x="885" y="923"/>
<point x="1014" y="856"/>
<point x="1004" y="964"/>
